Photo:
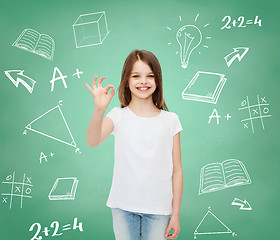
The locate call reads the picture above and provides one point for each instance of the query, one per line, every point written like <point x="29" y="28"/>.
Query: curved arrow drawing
<point x="238" y="53"/>
<point x="19" y="77"/>
<point x="244" y="205"/>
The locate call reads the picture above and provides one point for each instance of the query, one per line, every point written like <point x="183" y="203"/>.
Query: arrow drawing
<point x="244" y="205"/>
<point x="17" y="76"/>
<point x="238" y="53"/>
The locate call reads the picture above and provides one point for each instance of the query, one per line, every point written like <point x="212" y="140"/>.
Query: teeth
<point x="143" y="88"/>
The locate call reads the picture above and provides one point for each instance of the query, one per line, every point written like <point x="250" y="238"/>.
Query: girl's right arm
<point x="99" y="128"/>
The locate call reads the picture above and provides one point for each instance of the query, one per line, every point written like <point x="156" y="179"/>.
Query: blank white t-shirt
<point x="142" y="179"/>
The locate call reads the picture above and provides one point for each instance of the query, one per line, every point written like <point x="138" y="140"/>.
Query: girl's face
<point x="141" y="81"/>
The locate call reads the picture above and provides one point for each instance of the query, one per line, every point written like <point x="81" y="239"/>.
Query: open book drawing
<point x="204" y="87"/>
<point x="32" y="41"/>
<point x="64" y="189"/>
<point x="218" y="176"/>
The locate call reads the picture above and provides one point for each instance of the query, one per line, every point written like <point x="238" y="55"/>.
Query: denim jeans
<point x="136" y="226"/>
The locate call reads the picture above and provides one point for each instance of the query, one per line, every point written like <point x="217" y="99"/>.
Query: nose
<point x="143" y="80"/>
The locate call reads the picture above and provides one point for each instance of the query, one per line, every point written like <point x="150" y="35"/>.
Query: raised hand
<point x="100" y="95"/>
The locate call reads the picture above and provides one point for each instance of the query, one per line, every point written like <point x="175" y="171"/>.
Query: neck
<point x="143" y="105"/>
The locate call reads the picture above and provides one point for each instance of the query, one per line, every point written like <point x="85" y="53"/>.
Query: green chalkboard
<point x="224" y="88"/>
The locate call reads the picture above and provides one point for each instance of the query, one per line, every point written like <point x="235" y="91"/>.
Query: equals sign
<point x="249" y="22"/>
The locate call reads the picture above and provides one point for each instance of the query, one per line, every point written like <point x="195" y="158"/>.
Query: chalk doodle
<point x="64" y="189"/>
<point x="32" y="41"/>
<point x="218" y="176"/>
<point x="255" y="112"/>
<point x="78" y="72"/>
<point x="55" y="226"/>
<point x="18" y="190"/>
<point x="217" y="116"/>
<point x="238" y="53"/>
<point x="205" y="87"/>
<point x="240" y="22"/>
<point x="90" y="29"/>
<point x="61" y="77"/>
<point x="189" y="37"/>
<point x="244" y="205"/>
<point x="17" y="77"/>
<point x="44" y="157"/>
<point x="210" y="225"/>
<point x="54" y="114"/>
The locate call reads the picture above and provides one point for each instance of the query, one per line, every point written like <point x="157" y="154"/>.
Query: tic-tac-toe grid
<point x="17" y="189"/>
<point x="256" y="111"/>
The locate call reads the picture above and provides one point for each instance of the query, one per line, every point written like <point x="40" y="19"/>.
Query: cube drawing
<point x="90" y="29"/>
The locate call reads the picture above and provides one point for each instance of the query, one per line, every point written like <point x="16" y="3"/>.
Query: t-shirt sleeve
<point x="114" y="115"/>
<point x="177" y="127"/>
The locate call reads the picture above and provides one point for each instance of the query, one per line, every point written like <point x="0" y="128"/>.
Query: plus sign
<point x="78" y="73"/>
<point x="227" y="116"/>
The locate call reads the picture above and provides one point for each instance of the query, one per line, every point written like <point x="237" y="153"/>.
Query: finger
<point x="167" y="232"/>
<point x="99" y="83"/>
<point x="171" y="236"/>
<point x="107" y="88"/>
<point x="112" y="93"/>
<point x="94" y="82"/>
<point x="89" y="88"/>
<point x="175" y="234"/>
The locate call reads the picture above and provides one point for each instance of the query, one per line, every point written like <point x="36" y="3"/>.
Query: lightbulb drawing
<point x="189" y="37"/>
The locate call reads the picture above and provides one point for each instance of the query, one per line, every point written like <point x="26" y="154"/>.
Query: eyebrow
<point x="138" y="72"/>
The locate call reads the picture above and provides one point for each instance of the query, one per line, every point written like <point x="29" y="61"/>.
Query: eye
<point x="151" y="76"/>
<point x="135" y="76"/>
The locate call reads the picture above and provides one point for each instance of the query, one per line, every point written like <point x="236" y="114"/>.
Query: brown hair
<point x="151" y="60"/>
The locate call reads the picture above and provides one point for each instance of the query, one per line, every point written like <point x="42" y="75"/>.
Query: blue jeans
<point x="133" y="226"/>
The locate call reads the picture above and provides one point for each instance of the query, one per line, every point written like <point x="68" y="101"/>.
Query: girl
<point x="148" y="178"/>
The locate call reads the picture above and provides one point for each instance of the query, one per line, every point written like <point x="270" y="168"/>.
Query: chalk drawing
<point x="238" y="53"/>
<point x="32" y="41"/>
<point x="49" y="116"/>
<point x="205" y="87"/>
<point x="244" y="205"/>
<point x="78" y="72"/>
<point x="90" y="29"/>
<point x="255" y="112"/>
<point x="218" y="176"/>
<point x="44" y="157"/>
<point x="21" y="190"/>
<point x="216" y="115"/>
<point x="64" y="189"/>
<point x="215" y="224"/>
<point x="228" y="116"/>
<point x="189" y="37"/>
<point x="55" y="226"/>
<point x="61" y="77"/>
<point x="240" y="22"/>
<point x="17" y="76"/>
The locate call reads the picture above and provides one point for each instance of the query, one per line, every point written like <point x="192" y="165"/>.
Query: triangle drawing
<point x="52" y="124"/>
<point x="211" y="224"/>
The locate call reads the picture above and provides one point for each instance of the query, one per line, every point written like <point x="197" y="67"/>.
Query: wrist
<point x="175" y="214"/>
<point x="99" y="111"/>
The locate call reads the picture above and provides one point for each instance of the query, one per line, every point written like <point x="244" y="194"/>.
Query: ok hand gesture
<point x="100" y="95"/>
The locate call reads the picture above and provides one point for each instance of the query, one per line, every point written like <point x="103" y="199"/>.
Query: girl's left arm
<point x="177" y="188"/>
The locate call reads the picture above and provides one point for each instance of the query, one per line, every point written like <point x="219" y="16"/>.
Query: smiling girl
<point x="147" y="184"/>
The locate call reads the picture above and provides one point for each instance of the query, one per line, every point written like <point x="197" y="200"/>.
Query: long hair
<point x="151" y="60"/>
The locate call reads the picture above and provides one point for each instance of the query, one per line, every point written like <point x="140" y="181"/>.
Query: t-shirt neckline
<point x="161" y="111"/>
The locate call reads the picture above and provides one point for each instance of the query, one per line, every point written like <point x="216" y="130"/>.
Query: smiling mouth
<point x="143" y="88"/>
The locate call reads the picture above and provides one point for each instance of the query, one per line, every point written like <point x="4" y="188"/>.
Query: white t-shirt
<point x="142" y="180"/>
